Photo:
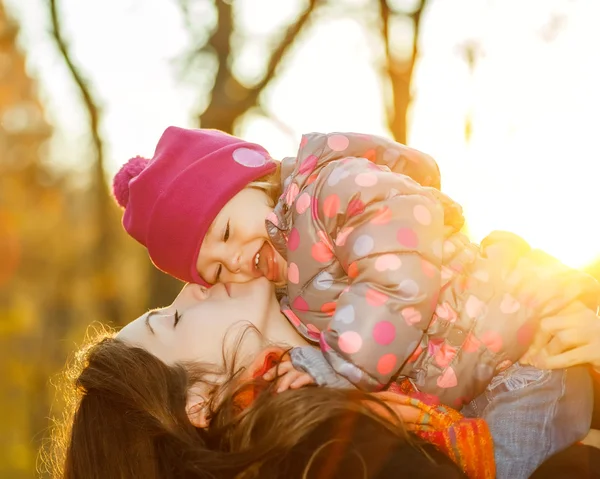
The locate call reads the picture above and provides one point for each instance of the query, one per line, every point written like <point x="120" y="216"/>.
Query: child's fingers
<point x="279" y="370"/>
<point x="286" y="381"/>
<point x="567" y="359"/>
<point x="303" y="380"/>
<point x="543" y="336"/>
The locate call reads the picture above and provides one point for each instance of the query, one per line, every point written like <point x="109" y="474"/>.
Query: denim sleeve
<point x="312" y="361"/>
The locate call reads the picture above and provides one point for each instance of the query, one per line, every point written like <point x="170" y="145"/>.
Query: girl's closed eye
<point x="226" y="234"/>
<point x="177" y="318"/>
<point x="225" y="238"/>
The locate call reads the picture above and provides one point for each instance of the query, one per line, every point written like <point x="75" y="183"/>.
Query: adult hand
<point x="567" y="340"/>
<point x="288" y="377"/>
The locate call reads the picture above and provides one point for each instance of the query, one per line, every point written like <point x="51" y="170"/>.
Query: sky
<point x="531" y="166"/>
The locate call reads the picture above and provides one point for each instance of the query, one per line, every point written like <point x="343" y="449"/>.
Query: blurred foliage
<point x="64" y="260"/>
<point x="51" y="283"/>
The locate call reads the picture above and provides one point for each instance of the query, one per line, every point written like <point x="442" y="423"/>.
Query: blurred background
<point x="503" y="93"/>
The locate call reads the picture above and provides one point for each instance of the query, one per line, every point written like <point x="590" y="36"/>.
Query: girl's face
<point x="236" y="248"/>
<point x="203" y="323"/>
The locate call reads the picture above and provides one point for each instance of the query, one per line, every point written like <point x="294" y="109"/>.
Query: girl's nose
<point x="235" y="263"/>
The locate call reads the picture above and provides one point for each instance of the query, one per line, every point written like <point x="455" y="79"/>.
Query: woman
<point x="167" y="398"/>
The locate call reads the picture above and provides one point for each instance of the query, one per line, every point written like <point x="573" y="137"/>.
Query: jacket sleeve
<point x="387" y="234"/>
<point x="404" y="160"/>
<point x="397" y="157"/>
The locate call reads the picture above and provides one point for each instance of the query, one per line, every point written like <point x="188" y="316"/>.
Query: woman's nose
<point x="191" y="294"/>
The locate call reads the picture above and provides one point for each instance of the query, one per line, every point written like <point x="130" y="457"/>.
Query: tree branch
<point x="91" y="106"/>
<point x="400" y="72"/>
<point x="280" y="50"/>
<point x="230" y="99"/>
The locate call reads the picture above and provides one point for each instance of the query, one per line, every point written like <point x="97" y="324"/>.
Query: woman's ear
<point x="197" y="408"/>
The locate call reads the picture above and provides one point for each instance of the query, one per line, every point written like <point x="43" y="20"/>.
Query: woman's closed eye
<point x="177" y="318"/>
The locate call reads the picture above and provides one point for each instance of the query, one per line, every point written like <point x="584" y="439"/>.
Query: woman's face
<point x="208" y="322"/>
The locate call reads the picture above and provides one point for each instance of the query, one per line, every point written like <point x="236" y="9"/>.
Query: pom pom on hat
<point x="128" y="172"/>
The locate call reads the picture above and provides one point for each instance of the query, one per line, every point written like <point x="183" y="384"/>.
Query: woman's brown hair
<point x="129" y="421"/>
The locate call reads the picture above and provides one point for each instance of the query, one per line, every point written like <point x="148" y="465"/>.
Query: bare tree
<point x="229" y="99"/>
<point x="104" y="213"/>
<point x="99" y="256"/>
<point x="400" y="70"/>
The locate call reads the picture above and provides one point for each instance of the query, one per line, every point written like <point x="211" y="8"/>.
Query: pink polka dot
<point x="365" y="179"/>
<point x="444" y="355"/>
<point x="308" y="164"/>
<point x="300" y="304"/>
<point x="448" y="379"/>
<point x="329" y="308"/>
<point x="376" y="298"/>
<point x="331" y="205"/>
<point x="353" y="270"/>
<point x="471" y="344"/>
<point x="325" y="239"/>
<point x="422" y="214"/>
<point x="371" y="154"/>
<point x="355" y="207"/>
<point x="388" y="262"/>
<point x="474" y="307"/>
<point x="302" y="203"/>
<point x="411" y="316"/>
<point x="386" y="364"/>
<point x="321" y="252"/>
<point x="293" y="273"/>
<point x="384" y="333"/>
<point x="338" y="142"/>
<point x="293" y="240"/>
<point x="350" y="342"/>
<point x="492" y="340"/>
<point x="249" y="158"/>
<point x="382" y="216"/>
<point x="446" y="312"/>
<point x="407" y="238"/>
<point x="311" y="179"/>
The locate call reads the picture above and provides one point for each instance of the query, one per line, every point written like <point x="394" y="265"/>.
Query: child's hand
<point x="288" y="377"/>
<point x="565" y="341"/>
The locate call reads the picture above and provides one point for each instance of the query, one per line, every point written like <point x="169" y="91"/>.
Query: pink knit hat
<point x="171" y="200"/>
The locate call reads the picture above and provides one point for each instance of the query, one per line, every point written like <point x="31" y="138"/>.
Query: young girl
<point x="377" y="272"/>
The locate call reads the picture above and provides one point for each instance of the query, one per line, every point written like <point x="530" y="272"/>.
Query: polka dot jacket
<point x="381" y="277"/>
